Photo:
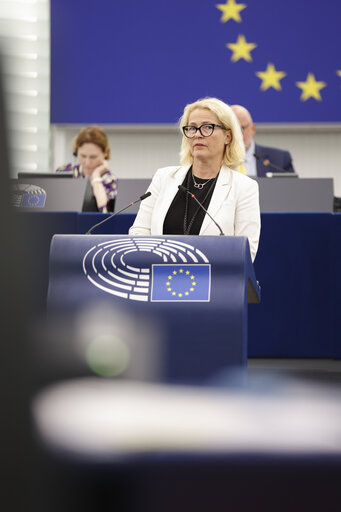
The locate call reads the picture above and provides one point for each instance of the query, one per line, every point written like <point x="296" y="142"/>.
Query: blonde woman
<point x="212" y="146"/>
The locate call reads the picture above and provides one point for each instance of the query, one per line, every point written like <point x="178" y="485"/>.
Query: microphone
<point x="282" y="172"/>
<point x="144" y="196"/>
<point x="184" y="189"/>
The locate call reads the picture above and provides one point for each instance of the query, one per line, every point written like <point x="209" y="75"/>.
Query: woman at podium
<point x="91" y="147"/>
<point x="204" y="195"/>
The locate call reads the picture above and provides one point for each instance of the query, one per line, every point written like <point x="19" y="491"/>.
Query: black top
<point x="185" y="216"/>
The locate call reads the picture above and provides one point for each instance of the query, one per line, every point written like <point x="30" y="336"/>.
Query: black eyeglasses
<point x="205" y="129"/>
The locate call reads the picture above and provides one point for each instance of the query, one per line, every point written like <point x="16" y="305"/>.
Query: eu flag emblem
<point x="33" y="200"/>
<point x="181" y="283"/>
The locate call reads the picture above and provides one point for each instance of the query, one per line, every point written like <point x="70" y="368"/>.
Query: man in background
<point x="259" y="159"/>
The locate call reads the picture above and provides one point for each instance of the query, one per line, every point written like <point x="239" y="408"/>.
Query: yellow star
<point x="186" y="293"/>
<point x="230" y="11"/>
<point x="169" y="277"/>
<point x="311" y="88"/>
<point x="191" y="289"/>
<point x="181" y="271"/>
<point x="193" y="284"/>
<point x="173" y="293"/>
<point x="270" y="77"/>
<point x="169" y="289"/>
<point x="174" y="272"/>
<point x="187" y="272"/>
<point x="180" y="294"/>
<point x="338" y="72"/>
<point x="241" y="49"/>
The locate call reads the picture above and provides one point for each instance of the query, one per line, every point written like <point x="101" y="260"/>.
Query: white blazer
<point x="234" y="205"/>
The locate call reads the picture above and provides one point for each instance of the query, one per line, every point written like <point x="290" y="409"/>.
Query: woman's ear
<point x="228" y="137"/>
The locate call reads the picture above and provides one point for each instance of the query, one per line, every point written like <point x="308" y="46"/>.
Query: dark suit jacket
<point x="276" y="156"/>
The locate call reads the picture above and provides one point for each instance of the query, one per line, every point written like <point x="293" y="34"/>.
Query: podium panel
<point x="194" y="288"/>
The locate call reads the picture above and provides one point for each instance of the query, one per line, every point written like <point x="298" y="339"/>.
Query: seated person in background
<point x="212" y="146"/>
<point x="258" y="159"/>
<point x="92" y="149"/>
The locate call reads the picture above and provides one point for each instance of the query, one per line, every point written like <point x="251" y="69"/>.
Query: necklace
<point x="188" y="225"/>
<point x="199" y="185"/>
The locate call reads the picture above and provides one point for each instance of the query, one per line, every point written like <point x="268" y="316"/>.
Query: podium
<point x="193" y="289"/>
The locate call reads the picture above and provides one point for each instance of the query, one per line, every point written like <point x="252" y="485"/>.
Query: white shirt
<point x="250" y="160"/>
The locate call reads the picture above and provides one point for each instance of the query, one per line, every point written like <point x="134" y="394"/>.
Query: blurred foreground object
<point x="97" y="418"/>
<point x="143" y="447"/>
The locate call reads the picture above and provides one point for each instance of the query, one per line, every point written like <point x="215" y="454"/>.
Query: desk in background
<point x="275" y="194"/>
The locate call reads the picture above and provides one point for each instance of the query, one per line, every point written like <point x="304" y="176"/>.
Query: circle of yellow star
<point x="170" y="287"/>
<point x="230" y="11"/>
<point x="270" y="77"/>
<point x="311" y="88"/>
<point x="241" y="49"/>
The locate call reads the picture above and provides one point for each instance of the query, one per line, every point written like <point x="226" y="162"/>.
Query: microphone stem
<point x="107" y="218"/>
<point x="270" y="164"/>
<point x="144" y="196"/>
<point x="210" y="216"/>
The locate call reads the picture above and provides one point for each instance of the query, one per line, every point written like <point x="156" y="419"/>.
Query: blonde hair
<point x="234" y="153"/>
<point x="95" y="135"/>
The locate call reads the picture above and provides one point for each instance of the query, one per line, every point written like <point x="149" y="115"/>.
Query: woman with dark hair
<point x="91" y="147"/>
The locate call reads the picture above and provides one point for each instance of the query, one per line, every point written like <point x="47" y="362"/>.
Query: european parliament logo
<point x="181" y="283"/>
<point x="125" y="268"/>
<point x="27" y="196"/>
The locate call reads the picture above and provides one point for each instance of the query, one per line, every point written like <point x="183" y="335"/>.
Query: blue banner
<point x="142" y="62"/>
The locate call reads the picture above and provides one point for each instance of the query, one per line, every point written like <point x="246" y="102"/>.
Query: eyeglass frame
<point x="199" y="128"/>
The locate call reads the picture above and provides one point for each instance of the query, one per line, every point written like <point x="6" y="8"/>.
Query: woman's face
<point x="90" y="156"/>
<point x="211" y="147"/>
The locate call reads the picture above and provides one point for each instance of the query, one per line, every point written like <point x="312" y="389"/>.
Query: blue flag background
<point x="141" y="62"/>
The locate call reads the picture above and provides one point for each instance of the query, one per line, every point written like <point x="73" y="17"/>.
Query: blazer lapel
<point x="220" y="193"/>
<point x="261" y="169"/>
<point x="170" y="190"/>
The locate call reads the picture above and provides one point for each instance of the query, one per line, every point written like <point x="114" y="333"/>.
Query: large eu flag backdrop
<point x="118" y="61"/>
